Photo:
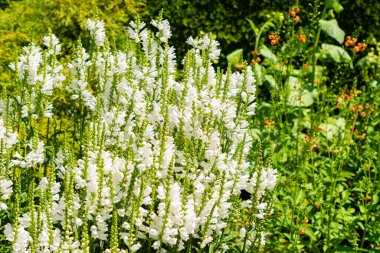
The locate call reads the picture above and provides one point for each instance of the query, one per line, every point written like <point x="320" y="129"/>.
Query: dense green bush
<point x="227" y="19"/>
<point x="27" y="20"/>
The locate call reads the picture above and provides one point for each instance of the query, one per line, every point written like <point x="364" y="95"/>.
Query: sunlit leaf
<point x="332" y="29"/>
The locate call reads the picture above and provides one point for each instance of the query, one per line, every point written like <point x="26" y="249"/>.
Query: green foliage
<point x="324" y="127"/>
<point x="27" y="20"/>
<point x="224" y="19"/>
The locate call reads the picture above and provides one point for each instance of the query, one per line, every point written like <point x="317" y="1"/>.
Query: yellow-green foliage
<point x="28" y="20"/>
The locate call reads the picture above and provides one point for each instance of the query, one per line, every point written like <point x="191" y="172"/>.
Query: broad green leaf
<point x="270" y="79"/>
<point x="235" y="57"/>
<point x="335" y="53"/>
<point x="332" y="29"/>
<point x="375" y="199"/>
<point x="257" y="70"/>
<point x="335" y="5"/>
<point x="267" y="53"/>
<point x="254" y="27"/>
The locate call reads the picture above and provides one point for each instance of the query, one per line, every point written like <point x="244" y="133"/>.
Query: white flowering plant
<point x="155" y="159"/>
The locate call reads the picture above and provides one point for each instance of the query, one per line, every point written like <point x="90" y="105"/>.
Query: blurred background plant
<point x="27" y="20"/>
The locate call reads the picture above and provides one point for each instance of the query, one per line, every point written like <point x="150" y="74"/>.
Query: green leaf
<point x="254" y="27"/>
<point x="375" y="199"/>
<point x="335" y="5"/>
<point x="335" y="53"/>
<point x="258" y="72"/>
<point x="332" y="29"/>
<point x="366" y="60"/>
<point x="270" y="79"/>
<point x="267" y="53"/>
<point x="235" y="58"/>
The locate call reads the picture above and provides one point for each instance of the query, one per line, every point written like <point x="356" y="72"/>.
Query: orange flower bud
<point x="302" y="38"/>
<point x="356" y="49"/>
<point x="297" y="19"/>
<point x="292" y="13"/>
<point x="302" y="231"/>
<point x="363" y="114"/>
<point x="363" y="47"/>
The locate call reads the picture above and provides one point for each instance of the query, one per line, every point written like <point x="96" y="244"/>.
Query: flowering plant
<point x="157" y="163"/>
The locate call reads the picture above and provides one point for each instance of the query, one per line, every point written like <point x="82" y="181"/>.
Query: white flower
<point x="52" y="43"/>
<point x="5" y="190"/>
<point x="163" y="27"/>
<point x="97" y="31"/>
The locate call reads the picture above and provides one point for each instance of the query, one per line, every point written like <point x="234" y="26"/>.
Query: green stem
<point x="316" y="41"/>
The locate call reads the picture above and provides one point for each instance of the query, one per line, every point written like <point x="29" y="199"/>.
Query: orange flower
<point x="336" y="152"/>
<point x="297" y="18"/>
<point x="313" y="147"/>
<point x="305" y="66"/>
<point x="302" y="231"/>
<point x="258" y="59"/>
<point x="350" y="42"/>
<point x="368" y="198"/>
<point x="298" y="10"/>
<point x="267" y="122"/>
<point x="292" y="13"/>
<point x="363" y="48"/>
<point x="253" y="62"/>
<point x="356" y="49"/>
<point x="360" y="108"/>
<point x="273" y="39"/>
<point x="363" y="114"/>
<point x="254" y="52"/>
<point x="367" y="166"/>
<point x="363" y="136"/>
<point x="356" y="131"/>
<point x="302" y="38"/>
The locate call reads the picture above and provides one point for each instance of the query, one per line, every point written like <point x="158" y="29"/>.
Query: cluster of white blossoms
<point x="159" y="163"/>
